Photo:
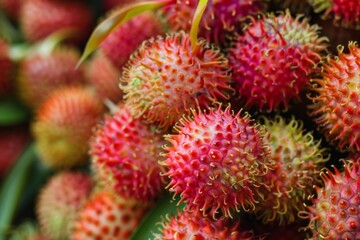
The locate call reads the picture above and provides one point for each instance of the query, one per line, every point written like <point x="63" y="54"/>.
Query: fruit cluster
<point x="179" y="119"/>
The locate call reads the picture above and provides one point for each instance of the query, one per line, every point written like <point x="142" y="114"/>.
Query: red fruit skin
<point x="125" y="154"/>
<point x="335" y="107"/>
<point x="6" y="69"/>
<point x="221" y="20"/>
<point x="106" y="216"/>
<point x="188" y="226"/>
<point x="335" y="212"/>
<point x="207" y="162"/>
<point x="104" y="77"/>
<point x="39" y="75"/>
<point x="110" y="4"/>
<point x="13" y="141"/>
<point x="121" y="43"/>
<point x="272" y="64"/>
<point x="41" y="18"/>
<point x="165" y="78"/>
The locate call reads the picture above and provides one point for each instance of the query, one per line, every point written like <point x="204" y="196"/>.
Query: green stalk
<point x="12" y="189"/>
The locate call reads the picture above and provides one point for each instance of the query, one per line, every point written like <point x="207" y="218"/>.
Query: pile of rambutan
<point x="171" y="119"/>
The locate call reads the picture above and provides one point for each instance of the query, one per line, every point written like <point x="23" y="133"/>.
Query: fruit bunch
<point x="171" y="119"/>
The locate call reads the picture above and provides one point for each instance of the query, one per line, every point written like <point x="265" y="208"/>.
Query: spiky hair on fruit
<point x="104" y="77"/>
<point x="125" y="154"/>
<point x="221" y="19"/>
<point x="40" y="18"/>
<point x="344" y="13"/>
<point x="63" y="126"/>
<point x="27" y="231"/>
<point x="185" y="225"/>
<point x="6" y="68"/>
<point x="216" y="162"/>
<point x="107" y="216"/>
<point x="274" y="59"/>
<point x="39" y="74"/>
<point x="335" y="211"/>
<point x="335" y="107"/>
<point x="59" y="202"/>
<point x="166" y="77"/>
<point x="121" y="43"/>
<point x="298" y="161"/>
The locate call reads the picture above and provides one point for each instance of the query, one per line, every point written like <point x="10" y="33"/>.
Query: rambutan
<point x="125" y="154"/>
<point x="221" y="19"/>
<point x="63" y="126"/>
<point x="273" y="60"/>
<point x="298" y="160"/>
<point x="216" y="162"/>
<point x="59" y="202"/>
<point x="121" y="43"/>
<point x="344" y="13"/>
<point x="106" y="216"/>
<point x="40" y="18"/>
<point x="104" y="77"/>
<point x="164" y="78"/>
<point x="11" y="7"/>
<point x="187" y="226"/>
<point x="335" y="105"/>
<point x="335" y="212"/>
<point x="40" y="74"/>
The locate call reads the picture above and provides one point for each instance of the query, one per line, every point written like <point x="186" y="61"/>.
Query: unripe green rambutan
<point x="216" y="162"/>
<point x="344" y="13"/>
<point x="63" y="126"/>
<point x="40" y="74"/>
<point x="106" y="216"/>
<point x="335" y="107"/>
<point x="27" y="231"/>
<point x="59" y="202"/>
<point x="220" y="21"/>
<point x="188" y="226"/>
<point x="298" y="160"/>
<point x="335" y="212"/>
<point x="125" y="154"/>
<point x="273" y="60"/>
<point x="165" y="78"/>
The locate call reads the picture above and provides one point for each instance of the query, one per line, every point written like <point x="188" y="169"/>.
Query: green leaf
<point x="195" y="23"/>
<point x="12" y="112"/>
<point x="12" y="189"/>
<point x="116" y="19"/>
<point x="166" y="206"/>
<point x="7" y="30"/>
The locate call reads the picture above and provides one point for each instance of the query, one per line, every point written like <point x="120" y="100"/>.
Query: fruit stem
<point x="200" y="9"/>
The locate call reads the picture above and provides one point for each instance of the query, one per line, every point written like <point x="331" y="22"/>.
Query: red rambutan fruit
<point x="6" y="68"/>
<point x="165" y="78"/>
<point x="298" y="160"/>
<point x="63" y="126"/>
<point x="110" y="4"/>
<point x="40" y="18"/>
<point x="216" y="162"/>
<point x="11" y="7"/>
<point x="335" y="105"/>
<point x="220" y="21"/>
<point x="344" y="13"/>
<point x="120" y="44"/>
<point x="125" y="154"/>
<point x="104" y="77"/>
<point x="273" y="60"/>
<point x="106" y="216"/>
<point x="187" y="226"/>
<point x="335" y="212"/>
<point x="59" y="202"/>
<point x="40" y="74"/>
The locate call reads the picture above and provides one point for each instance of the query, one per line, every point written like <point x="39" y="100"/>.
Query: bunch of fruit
<point x="174" y="119"/>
